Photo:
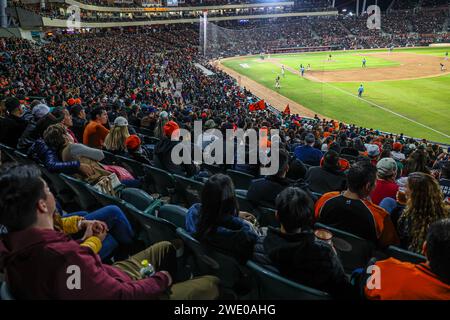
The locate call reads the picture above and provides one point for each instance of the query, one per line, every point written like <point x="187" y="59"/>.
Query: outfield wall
<point x="313" y="51"/>
<point x="440" y="45"/>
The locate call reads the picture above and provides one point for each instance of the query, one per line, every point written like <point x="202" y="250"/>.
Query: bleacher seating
<point x="157" y="211"/>
<point x="272" y="286"/>
<point x="166" y="222"/>
<point x="353" y="251"/>
<point x="5" y="294"/>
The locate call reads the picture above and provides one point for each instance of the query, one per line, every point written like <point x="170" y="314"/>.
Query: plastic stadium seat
<point x="354" y="252"/>
<point x="5" y="294"/>
<point x="105" y="199"/>
<point x="404" y="255"/>
<point x="164" y="182"/>
<point x="348" y="157"/>
<point x="137" y="197"/>
<point x="83" y="198"/>
<point x="204" y="263"/>
<point x="59" y="188"/>
<point x="232" y="275"/>
<point x="241" y="180"/>
<point x="134" y="167"/>
<point x="22" y="157"/>
<point x="189" y="189"/>
<point x="143" y="131"/>
<point x="275" y="287"/>
<point x="266" y="217"/>
<point x="174" y="214"/>
<point x="241" y="192"/>
<point x="213" y="169"/>
<point x="110" y="158"/>
<point x="244" y="204"/>
<point x="155" y="229"/>
<point x="317" y="195"/>
<point x="7" y="154"/>
<point x="148" y="140"/>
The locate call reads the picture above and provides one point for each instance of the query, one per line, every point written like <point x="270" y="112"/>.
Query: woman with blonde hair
<point x="425" y="205"/>
<point x="115" y="140"/>
<point x="161" y="122"/>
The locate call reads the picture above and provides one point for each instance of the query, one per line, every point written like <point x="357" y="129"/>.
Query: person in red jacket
<point x="385" y="186"/>
<point x="42" y="263"/>
<point x="425" y="281"/>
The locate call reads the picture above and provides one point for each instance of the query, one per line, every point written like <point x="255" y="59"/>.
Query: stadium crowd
<point x="69" y="105"/>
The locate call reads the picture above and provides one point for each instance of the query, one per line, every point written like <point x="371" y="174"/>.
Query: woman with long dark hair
<point x="217" y="220"/>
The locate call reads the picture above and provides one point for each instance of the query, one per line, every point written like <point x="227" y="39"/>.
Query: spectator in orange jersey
<point x="424" y="281"/>
<point x="353" y="212"/>
<point x="95" y="133"/>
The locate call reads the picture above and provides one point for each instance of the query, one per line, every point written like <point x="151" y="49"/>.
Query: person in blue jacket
<point x="360" y="90"/>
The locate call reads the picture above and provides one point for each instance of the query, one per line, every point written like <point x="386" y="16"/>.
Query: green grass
<point x="440" y="52"/>
<point x="339" y="61"/>
<point x="426" y="101"/>
<point x="319" y="61"/>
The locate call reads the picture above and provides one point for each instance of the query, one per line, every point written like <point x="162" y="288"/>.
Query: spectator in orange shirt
<point x="95" y="132"/>
<point x="424" y="281"/>
<point x="353" y="212"/>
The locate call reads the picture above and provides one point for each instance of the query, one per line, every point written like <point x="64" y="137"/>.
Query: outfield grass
<point x="426" y="101"/>
<point x="339" y="61"/>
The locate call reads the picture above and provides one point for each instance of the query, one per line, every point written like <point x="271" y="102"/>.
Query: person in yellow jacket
<point x="110" y="220"/>
<point x="95" y="231"/>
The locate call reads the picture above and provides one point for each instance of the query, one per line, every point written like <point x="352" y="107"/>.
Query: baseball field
<point x="405" y="91"/>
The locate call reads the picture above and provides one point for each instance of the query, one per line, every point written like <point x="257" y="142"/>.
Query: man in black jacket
<point x="263" y="191"/>
<point x="295" y="250"/>
<point x="328" y="177"/>
<point x="163" y="153"/>
<point x="13" y="125"/>
<point x="78" y="121"/>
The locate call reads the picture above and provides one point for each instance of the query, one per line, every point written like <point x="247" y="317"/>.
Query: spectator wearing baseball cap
<point x="136" y="151"/>
<point x="329" y="176"/>
<point x="163" y="152"/>
<point x="307" y="153"/>
<point x="12" y="125"/>
<point x="39" y="111"/>
<point x="28" y="137"/>
<point x="170" y="129"/>
<point x="373" y="152"/>
<point x="396" y="152"/>
<point x="115" y="140"/>
<point x="160" y="123"/>
<point x="385" y="185"/>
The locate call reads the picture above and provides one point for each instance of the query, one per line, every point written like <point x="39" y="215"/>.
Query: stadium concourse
<point x="86" y="138"/>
